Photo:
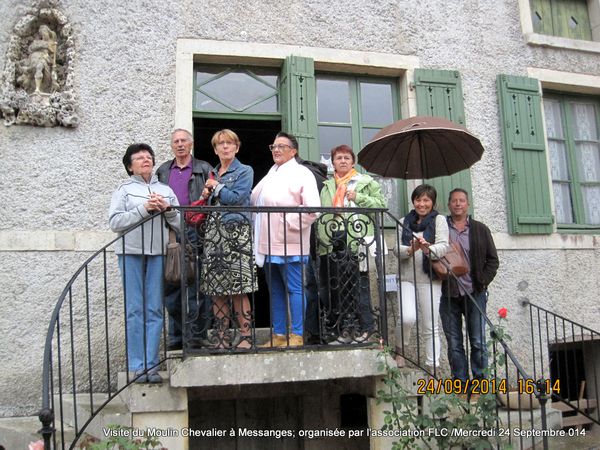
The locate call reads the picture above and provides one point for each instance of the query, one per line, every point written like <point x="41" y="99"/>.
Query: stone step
<point x="19" y="432"/>
<point x="114" y="413"/>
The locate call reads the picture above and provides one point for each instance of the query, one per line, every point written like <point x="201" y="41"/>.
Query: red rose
<point x="502" y="312"/>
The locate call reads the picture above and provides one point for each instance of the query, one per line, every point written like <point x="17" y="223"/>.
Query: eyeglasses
<point x="280" y="147"/>
<point x="222" y="143"/>
<point x="141" y="158"/>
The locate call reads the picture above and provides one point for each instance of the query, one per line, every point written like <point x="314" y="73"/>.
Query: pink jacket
<point x="290" y="184"/>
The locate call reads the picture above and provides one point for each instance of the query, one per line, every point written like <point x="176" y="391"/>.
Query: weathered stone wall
<point x="59" y="179"/>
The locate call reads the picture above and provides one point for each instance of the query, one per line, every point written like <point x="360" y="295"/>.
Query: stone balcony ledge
<point x="274" y="367"/>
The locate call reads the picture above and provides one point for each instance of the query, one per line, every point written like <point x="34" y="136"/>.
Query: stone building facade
<point x="139" y="69"/>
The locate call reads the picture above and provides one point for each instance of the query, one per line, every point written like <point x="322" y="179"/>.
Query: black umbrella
<point x="420" y="147"/>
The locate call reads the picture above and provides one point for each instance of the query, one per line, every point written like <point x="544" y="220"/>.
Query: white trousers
<point x="428" y="300"/>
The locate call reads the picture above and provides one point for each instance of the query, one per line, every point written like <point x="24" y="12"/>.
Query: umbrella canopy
<point x="421" y="147"/>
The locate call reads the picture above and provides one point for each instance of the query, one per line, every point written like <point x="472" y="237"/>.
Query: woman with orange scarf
<point x="343" y="269"/>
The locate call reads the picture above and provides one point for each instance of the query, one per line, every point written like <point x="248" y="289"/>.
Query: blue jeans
<point x="285" y="281"/>
<point x="451" y="311"/>
<point x="142" y="281"/>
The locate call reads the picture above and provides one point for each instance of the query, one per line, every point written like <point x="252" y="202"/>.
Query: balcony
<point x="241" y="364"/>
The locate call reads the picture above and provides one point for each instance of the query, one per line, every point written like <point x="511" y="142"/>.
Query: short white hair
<point x="185" y="131"/>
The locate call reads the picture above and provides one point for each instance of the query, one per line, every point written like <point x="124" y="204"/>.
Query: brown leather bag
<point x="173" y="261"/>
<point x="455" y="259"/>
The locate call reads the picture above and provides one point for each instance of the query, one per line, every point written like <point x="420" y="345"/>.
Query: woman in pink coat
<point x="282" y="240"/>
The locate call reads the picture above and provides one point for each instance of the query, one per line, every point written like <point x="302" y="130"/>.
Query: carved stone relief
<point x="37" y="82"/>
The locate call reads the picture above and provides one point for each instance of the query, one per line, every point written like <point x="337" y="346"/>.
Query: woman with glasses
<point x="282" y="239"/>
<point x="229" y="272"/>
<point x="140" y="254"/>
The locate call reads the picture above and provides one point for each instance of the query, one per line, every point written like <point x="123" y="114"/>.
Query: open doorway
<point x="255" y="135"/>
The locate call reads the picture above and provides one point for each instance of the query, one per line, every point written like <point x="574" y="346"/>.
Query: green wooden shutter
<point x="439" y="93"/>
<point x="526" y="170"/>
<point x="566" y="18"/>
<point x="571" y="19"/>
<point x="541" y="16"/>
<point x="299" y="105"/>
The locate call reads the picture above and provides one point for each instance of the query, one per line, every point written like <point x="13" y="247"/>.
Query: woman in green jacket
<point x="343" y="239"/>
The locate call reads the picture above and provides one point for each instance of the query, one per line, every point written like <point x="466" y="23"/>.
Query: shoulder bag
<point x="173" y="261"/>
<point x="454" y="259"/>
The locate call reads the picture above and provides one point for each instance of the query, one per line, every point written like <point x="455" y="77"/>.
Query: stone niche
<point x="37" y="81"/>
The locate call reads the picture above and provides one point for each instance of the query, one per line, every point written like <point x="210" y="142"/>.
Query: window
<point x="561" y="24"/>
<point x="572" y="130"/>
<point x="565" y="18"/>
<point x="257" y="88"/>
<point x="351" y="110"/>
<point x="222" y="89"/>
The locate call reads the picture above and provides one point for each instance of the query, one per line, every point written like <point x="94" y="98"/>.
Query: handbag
<point x="454" y="259"/>
<point x="197" y="218"/>
<point x="173" y="261"/>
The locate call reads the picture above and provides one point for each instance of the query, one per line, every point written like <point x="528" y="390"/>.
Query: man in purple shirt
<point x="186" y="175"/>
<point x="468" y="297"/>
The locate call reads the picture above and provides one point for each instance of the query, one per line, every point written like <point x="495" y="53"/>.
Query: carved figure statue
<point x="39" y="68"/>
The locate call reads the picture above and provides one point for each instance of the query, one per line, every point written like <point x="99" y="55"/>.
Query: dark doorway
<point x="255" y="135"/>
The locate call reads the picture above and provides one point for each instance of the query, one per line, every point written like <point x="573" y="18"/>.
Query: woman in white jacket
<point x="140" y="254"/>
<point x="424" y="237"/>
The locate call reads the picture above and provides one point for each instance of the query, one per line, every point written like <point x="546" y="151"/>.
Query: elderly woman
<point x="140" y="253"/>
<point x="229" y="272"/>
<point x="343" y="269"/>
<point x="283" y="239"/>
<point x="425" y="237"/>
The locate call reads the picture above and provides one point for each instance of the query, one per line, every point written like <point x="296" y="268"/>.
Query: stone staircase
<point x="164" y="409"/>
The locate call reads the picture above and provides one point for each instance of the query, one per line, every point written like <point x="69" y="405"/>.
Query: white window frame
<point x="190" y="51"/>
<point x="567" y="83"/>
<point x="546" y="40"/>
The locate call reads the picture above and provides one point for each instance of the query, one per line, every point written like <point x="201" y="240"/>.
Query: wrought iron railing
<point x="87" y="336"/>
<point x="355" y="288"/>
<point x="521" y="399"/>
<point x="566" y="358"/>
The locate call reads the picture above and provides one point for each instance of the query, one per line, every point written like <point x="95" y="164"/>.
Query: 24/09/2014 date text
<point x="485" y="386"/>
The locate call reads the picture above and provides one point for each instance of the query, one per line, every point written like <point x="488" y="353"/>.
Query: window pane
<point x="389" y="189"/>
<point x="333" y="100"/>
<point x="376" y="103"/>
<point x="552" y="115"/>
<point x="588" y="161"/>
<point x="562" y="203"/>
<point x="222" y="89"/>
<point x="330" y="137"/>
<point x="204" y="103"/>
<point x="367" y="135"/>
<point x="591" y="200"/>
<point x="584" y="122"/>
<point x="558" y="160"/>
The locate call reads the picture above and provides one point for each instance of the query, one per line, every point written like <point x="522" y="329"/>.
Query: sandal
<point x="245" y="343"/>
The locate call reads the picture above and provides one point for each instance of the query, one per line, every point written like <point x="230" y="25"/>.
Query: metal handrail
<point x="559" y="330"/>
<point x="509" y="356"/>
<point x="46" y="414"/>
<point x="377" y="215"/>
